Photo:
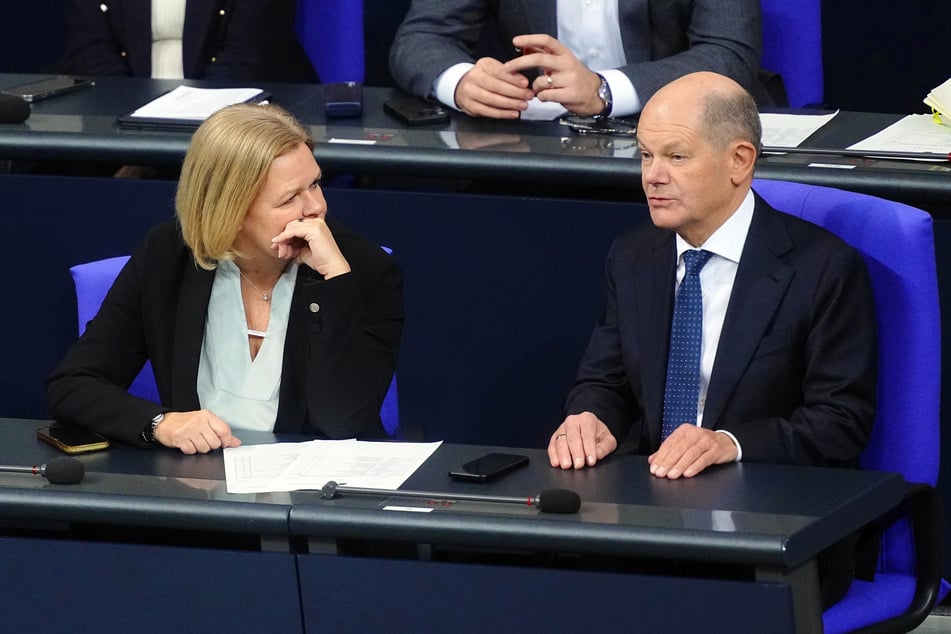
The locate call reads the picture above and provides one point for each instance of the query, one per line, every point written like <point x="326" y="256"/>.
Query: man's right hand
<point x="489" y="91"/>
<point x="582" y="439"/>
<point x="195" y="432"/>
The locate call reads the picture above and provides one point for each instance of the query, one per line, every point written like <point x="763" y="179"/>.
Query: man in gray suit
<point x="603" y="57"/>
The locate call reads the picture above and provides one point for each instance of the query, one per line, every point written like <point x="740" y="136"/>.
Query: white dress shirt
<point x="168" y="24"/>
<point x="591" y="31"/>
<point x="716" y="283"/>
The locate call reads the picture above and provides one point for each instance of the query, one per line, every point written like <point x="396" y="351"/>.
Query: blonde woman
<point x="256" y="310"/>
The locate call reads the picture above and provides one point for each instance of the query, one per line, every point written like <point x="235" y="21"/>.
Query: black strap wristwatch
<point x="148" y="432"/>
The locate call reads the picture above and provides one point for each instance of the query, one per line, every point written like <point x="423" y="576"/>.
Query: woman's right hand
<point x="195" y="432"/>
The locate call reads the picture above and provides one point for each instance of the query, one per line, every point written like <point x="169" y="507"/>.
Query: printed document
<point x="310" y="465"/>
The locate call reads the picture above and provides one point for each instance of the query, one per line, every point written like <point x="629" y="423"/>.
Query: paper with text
<point x="913" y="133"/>
<point x="311" y="464"/>
<point x="789" y="130"/>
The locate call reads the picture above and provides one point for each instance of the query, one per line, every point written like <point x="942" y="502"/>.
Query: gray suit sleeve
<point x="435" y="35"/>
<point x="722" y="36"/>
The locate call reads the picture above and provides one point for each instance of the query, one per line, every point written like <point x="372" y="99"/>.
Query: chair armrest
<point x="924" y="510"/>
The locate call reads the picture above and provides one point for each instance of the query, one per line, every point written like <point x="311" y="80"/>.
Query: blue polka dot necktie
<point x="683" y="364"/>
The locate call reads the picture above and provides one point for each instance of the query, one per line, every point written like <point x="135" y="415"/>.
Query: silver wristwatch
<point x="604" y="94"/>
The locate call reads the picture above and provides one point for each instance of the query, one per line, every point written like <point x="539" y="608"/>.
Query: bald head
<point x="718" y="107"/>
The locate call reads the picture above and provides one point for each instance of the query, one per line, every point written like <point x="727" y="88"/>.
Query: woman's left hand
<point x="309" y="241"/>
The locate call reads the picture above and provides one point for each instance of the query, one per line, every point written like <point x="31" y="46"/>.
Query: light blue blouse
<point x="242" y="392"/>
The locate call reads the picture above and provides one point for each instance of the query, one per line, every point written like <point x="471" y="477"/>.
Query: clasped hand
<point x="494" y="89"/>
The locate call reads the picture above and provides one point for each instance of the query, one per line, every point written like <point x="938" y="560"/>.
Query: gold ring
<point x="561" y="436"/>
<point x="551" y="82"/>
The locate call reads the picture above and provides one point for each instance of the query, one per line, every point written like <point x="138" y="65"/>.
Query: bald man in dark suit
<point x="787" y="351"/>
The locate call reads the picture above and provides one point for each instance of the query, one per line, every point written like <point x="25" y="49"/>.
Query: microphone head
<point x="63" y="470"/>
<point x="13" y="109"/>
<point x="558" y="501"/>
<point x="328" y="491"/>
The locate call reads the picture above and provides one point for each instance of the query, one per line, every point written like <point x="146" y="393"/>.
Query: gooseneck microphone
<point x="13" y="109"/>
<point x="549" y="501"/>
<point x="60" y="470"/>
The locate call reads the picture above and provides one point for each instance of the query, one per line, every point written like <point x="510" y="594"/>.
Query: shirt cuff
<point x="739" y="449"/>
<point x="444" y="86"/>
<point x="623" y="93"/>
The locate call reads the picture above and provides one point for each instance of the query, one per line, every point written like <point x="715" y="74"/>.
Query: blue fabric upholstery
<point x="897" y="242"/>
<point x="331" y="31"/>
<point x="792" y="47"/>
<point x="94" y="279"/>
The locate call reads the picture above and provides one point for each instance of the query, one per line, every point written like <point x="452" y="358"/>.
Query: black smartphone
<point x="343" y="99"/>
<point x="72" y="439"/>
<point x="415" y="111"/>
<point x="46" y="88"/>
<point x="489" y="466"/>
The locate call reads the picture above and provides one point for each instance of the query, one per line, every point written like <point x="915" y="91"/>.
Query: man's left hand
<point x="565" y="79"/>
<point x="689" y="450"/>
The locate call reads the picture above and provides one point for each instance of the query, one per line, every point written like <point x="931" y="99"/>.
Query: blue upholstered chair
<point x="897" y="243"/>
<point x="94" y="279"/>
<point x="331" y="31"/>
<point x="792" y="47"/>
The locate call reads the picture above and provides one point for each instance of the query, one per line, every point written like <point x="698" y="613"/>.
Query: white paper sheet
<point x="913" y="133"/>
<point x="194" y="104"/>
<point x="310" y="465"/>
<point x="789" y="130"/>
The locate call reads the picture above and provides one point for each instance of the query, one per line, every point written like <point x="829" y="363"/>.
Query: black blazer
<point x="794" y="375"/>
<point x="250" y="40"/>
<point x="343" y="337"/>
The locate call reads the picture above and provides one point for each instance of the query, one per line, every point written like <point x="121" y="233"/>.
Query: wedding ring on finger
<point x="551" y="82"/>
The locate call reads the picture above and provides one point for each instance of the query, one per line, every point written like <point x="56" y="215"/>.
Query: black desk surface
<point x="762" y="515"/>
<point x="81" y="127"/>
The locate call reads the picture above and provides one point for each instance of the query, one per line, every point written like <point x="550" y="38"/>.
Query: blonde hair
<point x="226" y="167"/>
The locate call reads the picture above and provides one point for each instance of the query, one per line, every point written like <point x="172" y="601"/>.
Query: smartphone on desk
<point x="488" y="467"/>
<point x="343" y="99"/>
<point x="415" y="111"/>
<point x="46" y="88"/>
<point x="72" y="439"/>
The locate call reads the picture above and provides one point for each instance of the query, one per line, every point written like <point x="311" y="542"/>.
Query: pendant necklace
<point x="265" y="295"/>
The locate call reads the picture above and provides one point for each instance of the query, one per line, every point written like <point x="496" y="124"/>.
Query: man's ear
<point x="744" y="159"/>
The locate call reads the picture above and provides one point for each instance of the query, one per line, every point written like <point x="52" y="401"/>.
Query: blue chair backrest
<point x="331" y="31"/>
<point x="897" y="242"/>
<point x="792" y="47"/>
<point x="94" y="279"/>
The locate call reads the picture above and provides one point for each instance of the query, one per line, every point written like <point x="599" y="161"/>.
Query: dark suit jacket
<point x="343" y="337"/>
<point x="663" y="39"/>
<point x="794" y="375"/>
<point x="250" y="40"/>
